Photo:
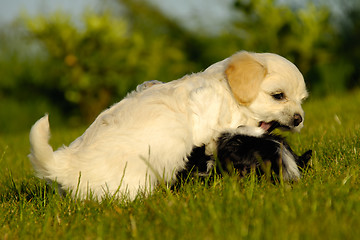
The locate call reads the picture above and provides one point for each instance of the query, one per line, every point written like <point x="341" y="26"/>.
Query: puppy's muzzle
<point x="297" y="119"/>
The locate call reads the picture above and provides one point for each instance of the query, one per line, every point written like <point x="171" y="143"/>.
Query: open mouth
<point x="271" y="126"/>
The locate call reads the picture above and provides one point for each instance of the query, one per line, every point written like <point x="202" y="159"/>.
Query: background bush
<point x="87" y="66"/>
<point x="75" y="69"/>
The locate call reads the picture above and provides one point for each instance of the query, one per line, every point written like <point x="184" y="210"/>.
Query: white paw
<point x="250" y="131"/>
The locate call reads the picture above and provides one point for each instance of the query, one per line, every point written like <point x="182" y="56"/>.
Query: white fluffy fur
<point x="291" y="170"/>
<point x="148" y="135"/>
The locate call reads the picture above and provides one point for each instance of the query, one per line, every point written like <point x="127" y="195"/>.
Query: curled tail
<point x="42" y="155"/>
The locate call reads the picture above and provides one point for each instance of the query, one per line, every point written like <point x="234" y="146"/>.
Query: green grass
<point x="325" y="204"/>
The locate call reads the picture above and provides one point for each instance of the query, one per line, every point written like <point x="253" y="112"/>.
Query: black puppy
<point x="267" y="153"/>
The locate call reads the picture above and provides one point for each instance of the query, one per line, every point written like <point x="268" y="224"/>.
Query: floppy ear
<point x="245" y="74"/>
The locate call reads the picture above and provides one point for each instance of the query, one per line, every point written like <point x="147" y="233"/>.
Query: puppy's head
<point x="270" y="86"/>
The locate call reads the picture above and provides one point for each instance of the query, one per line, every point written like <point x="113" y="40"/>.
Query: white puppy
<point x="147" y="137"/>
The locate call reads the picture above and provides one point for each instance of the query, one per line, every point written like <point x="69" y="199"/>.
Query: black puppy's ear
<point x="304" y="159"/>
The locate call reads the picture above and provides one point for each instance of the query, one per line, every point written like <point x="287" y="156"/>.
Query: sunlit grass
<point x="325" y="204"/>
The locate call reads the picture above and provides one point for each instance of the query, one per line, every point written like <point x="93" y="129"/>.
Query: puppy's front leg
<point x="246" y="130"/>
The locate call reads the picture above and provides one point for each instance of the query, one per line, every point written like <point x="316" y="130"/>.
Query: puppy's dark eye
<point x="278" y="96"/>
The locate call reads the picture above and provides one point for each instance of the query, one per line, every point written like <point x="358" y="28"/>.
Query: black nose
<point x="297" y="119"/>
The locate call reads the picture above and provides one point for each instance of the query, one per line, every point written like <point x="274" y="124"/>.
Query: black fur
<point x="243" y="153"/>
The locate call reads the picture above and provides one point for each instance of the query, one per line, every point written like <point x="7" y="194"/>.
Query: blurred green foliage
<point x="301" y="35"/>
<point x="81" y="67"/>
<point x="91" y="64"/>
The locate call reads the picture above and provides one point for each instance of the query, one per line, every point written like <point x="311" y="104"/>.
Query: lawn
<point x="324" y="204"/>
